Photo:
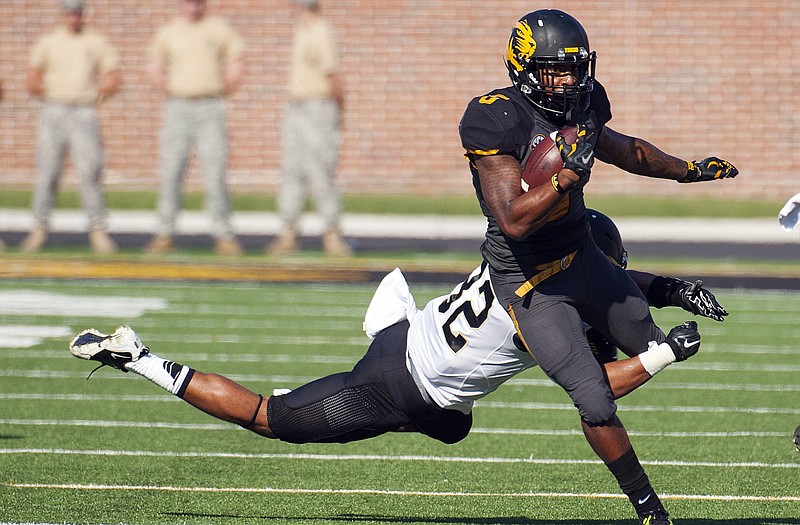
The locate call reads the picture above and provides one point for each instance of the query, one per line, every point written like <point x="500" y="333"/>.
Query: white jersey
<point x="460" y="346"/>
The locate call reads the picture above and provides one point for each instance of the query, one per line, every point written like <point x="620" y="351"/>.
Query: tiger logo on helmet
<point x="521" y="45"/>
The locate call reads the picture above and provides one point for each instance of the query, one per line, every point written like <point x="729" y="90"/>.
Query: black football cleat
<point x="657" y="517"/>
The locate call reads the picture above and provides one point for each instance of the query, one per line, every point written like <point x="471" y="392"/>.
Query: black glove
<point x="711" y="168"/>
<point x="692" y="297"/>
<point x="684" y="340"/>
<point x="578" y="157"/>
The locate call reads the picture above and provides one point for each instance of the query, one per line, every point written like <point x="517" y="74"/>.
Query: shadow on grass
<point x="456" y="520"/>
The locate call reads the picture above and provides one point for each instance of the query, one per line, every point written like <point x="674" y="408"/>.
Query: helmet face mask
<point x="550" y="62"/>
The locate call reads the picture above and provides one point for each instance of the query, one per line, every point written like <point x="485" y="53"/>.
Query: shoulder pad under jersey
<point x="490" y="123"/>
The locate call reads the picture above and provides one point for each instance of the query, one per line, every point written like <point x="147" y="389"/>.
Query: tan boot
<point x="101" y="242"/>
<point x="160" y="244"/>
<point x="285" y="244"/>
<point x="334" y="245"/>
<point x="34" y="240"/>
<point x="228" y="246"/>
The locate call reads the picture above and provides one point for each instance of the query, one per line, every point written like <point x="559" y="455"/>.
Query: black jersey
<point x="504" y="122"/>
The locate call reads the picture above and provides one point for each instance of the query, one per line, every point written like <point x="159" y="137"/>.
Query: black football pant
<point x="377" y="396"/>
<point x="550" y="322"/>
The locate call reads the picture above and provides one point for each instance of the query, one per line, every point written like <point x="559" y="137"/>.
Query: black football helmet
<point x="547" y="40"/>
<point x="606" y="236"/>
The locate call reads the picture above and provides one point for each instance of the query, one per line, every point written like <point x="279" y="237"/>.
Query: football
<point x="544" y="160"/>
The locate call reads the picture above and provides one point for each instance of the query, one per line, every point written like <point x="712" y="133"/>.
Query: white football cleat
<point x="114" y="350"/>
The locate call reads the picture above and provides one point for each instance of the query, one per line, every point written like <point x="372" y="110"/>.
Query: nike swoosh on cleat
<point x="644" y="499"/>
<point x="119" y="356"/>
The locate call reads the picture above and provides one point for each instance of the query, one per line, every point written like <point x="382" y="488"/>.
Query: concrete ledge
<point x="679" y="230"/>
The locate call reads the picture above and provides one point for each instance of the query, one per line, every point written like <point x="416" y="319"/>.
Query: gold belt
<point x="545" y="270"/>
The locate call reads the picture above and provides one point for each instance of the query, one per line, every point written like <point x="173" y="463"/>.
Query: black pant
<point x="377" y="396"/>
<point x="550" y="321"/>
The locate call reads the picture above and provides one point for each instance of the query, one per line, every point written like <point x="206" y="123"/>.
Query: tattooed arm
<point x="518" y="213"/>
<point x="638" y="156"/>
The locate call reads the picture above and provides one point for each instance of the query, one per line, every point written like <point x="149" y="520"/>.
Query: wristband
<point x="557" y="186"/>
<point x="692" y="172"/>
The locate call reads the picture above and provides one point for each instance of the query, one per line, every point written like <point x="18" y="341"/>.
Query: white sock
<point x="657" y="357"/>
<point x="169" y="375"/>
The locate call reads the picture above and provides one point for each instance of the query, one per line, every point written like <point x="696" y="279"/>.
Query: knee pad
<point x="595" y="407"/>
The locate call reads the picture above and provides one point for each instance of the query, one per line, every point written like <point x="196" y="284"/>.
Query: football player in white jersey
<point x="423" y="370"/>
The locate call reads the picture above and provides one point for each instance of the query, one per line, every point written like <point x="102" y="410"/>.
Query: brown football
<point x="544" y="160"/>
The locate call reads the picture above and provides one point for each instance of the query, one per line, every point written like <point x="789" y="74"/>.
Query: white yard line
<point x="481" y="404"/>
<point x="497" y="431"/>
<point x="415" y="493"/>
<point x="532" y="382"/>
<point x="646" y="408"/>
<point x="378" y="457"/>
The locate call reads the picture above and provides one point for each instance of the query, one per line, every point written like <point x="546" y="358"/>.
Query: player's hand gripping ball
<point x="578" y="157"/>
<point x="545" y="159"/>
<point x="569" y="148"/>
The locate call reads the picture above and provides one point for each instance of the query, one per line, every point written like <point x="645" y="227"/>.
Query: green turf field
<point x="462" y="204"/>
<point x="714" y="433"/>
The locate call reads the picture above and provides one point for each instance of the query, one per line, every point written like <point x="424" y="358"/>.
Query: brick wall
<point x="695" y="78"/>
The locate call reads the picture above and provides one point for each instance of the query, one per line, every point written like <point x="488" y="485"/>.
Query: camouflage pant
<point x="311" y="140"/>
<point x="200" y="124"/>
<point x="73" y="127"/>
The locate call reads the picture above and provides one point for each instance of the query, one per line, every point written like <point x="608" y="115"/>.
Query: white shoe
<point x="115" y="350"/>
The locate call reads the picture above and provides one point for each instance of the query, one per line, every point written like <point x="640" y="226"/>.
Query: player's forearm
<point x="642" y="279"/>
<point x="625" y="376"/>
<point x="518" y="213"/>
<point x="638" y="156"/>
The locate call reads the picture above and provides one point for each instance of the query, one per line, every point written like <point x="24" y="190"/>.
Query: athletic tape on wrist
<point x="657" y="357"/>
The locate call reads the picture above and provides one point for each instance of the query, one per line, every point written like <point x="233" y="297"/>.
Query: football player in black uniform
<point x="545" y="269"/>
